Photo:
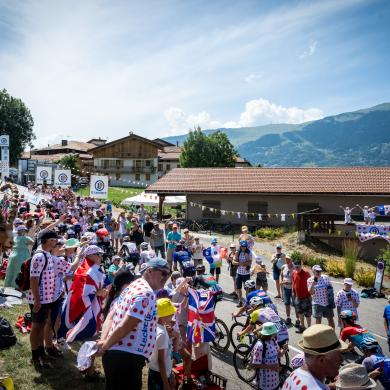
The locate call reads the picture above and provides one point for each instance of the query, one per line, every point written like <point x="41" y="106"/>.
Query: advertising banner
<point x="99" y="186"/>
<point x="43" y="174"/>
<point x="62" y="177"/>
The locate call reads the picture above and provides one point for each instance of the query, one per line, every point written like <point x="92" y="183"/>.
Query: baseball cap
<point x="116" y="257"/>
<point x="348" y="281"/>
<point x="20" y="228"/>
<point x="279" y="246"/>
<point x="93" y="250"/>
<point x="156" y="263"/>
<point x="316" y="268"/>
<point x="185" y="230"/>
<point x="214" y="240"/>
<point x="46" y="235"/>
<point x="174" y="226"/>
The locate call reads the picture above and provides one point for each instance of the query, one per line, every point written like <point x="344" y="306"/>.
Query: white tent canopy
<point x="152" y="200"/>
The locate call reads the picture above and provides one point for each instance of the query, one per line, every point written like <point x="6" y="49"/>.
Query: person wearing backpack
<point x="41" y="295"/>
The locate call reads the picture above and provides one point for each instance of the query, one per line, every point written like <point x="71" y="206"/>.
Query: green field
<point x="115" y="194"/>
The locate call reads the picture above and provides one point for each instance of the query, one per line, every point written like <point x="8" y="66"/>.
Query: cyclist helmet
<point x="233" y="245"/>
<point x="243" y="243"/>
<point x="200" y="268"/>
<point x="249" y="284"/>
<point x="144" y="245"/>
<point x="369" y="343"/>
<point x="348" y="315"/>
<point x="126" y="238"/>
<point x="255" y="302"/>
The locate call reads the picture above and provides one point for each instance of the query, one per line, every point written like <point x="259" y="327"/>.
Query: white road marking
<point x="294" y="349"/>
<point x="378" y="335"/>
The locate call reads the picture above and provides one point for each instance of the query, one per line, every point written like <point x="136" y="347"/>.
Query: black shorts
<point x="216" y="271"/>
<point x="42" y="314"/>
<point x="233" y="271"/>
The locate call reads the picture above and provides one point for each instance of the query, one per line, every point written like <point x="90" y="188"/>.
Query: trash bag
<point x="84" y="357"/>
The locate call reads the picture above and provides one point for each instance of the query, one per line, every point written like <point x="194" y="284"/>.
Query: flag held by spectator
<point x="384" y="209"/>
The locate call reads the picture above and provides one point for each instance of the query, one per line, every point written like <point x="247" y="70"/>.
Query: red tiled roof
<point x="346" y="180"/>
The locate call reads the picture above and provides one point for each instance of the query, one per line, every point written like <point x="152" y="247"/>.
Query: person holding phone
<point x="318" y="286"/>
<point x="277" y="262"/>
<point x="347" y="299"/>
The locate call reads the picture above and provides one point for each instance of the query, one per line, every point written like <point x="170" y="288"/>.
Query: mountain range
<point x="349" y="139"/>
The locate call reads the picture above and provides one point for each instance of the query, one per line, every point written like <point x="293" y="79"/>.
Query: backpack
<point x="7" y="335"/>
<point x="23" y="278"/>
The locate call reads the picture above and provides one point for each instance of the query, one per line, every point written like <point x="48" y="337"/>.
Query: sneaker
<point x="39" y="364"/>
<point x="63" y="345"/>
<point x="278" y="296"/>
<point x="301" y="329"/>
<point x="288" y="321"/>
<point x="54" y="352"/>
<point x="240" y="304"/>
<point x="297" y="323"/>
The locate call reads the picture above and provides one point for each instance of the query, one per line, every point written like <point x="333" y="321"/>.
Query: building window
<point x="168" y="167"/>
<point x="119" y="164"/>
<point x="147" y="176"/>
<point x="256" y="208"/>
<point x="147" y="163"/>
<point x="160" y="167"/>
<point x="308" y="207"/>
<point x="215" y="206"/>
<point x="137" y="177"/>
<point x="117" y="176"/>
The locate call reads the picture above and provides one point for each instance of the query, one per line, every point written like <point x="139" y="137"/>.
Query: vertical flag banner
<point x="62" y="177"/>
<point x="99" y="186"/>
<point x="43" y="174"/>
<point x="4" y="144"/>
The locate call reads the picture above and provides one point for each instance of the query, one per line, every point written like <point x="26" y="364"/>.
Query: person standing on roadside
<point x="347" y="299"/>
<point x="242" y="261"/>
<point x="386" y="320"/>
<point x="301" y="296"/>
<point x="197" y="252"/>
<point x="286" y="282"/>
<point x="173" y="239"/>
<point x="233" y="268"/>
<point x="157" y="240"/>
<point x="147" y="228"/>
<point x="41" y="295"/>
<point x="320" y="287"/>
<point x="130" y="336"/>
<point x="188" y="238"/>
<point x="277" y="262"/>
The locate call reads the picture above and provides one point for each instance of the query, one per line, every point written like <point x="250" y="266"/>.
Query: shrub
<point x="351" y="251"/>
<point x="296" y="255"/>
<point x="335" y="268"/>
<point x="269" y="233"/>
<point x="313" y="260"/>
<point x="350" y="267"/>
<point x="365" y="277"/>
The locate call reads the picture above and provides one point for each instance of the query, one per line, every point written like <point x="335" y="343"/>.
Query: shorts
<point x="304" y="306"/>
<point x="276" y="273"/>
<point x="116" y="235"/>
<point x="262" y="282"/>
<point x="287" y="296"/>
<point x="233" y="271"/>
<point x="197" y="262"/>
<point x="241" y="279"/>
<point x="42" y="314"/>
<point x="322" y="311"/>
<point x="216" y="271"/>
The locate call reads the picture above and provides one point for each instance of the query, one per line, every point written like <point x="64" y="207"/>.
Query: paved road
<point x="370" y="312"/>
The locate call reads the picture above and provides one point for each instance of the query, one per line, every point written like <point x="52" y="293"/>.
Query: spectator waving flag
<point x="215" y="254"/>
<point x="384" y="209"/>
<point x="81" y="311"/>
<point x="201" y="318"/>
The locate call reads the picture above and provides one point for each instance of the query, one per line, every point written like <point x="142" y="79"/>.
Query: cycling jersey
<point x="208" y="281"/>
<point x="183" y="257"/>
<point x="263" y="295"/>
<point x="267" y="314"/>
<point x="355" y="334"/>
<point x="379" y="361"/>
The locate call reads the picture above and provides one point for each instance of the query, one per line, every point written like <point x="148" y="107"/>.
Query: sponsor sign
<point x="380" y="271"/>
<point x="99" y="186"/>
<point x="43" y="174"/>
<point x="4" y="145"/>
<point x="62" y="177"/>
<point x="4" y="140"/>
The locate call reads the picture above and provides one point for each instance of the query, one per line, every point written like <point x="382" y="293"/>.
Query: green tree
<point x="17" y="122"/>
<point x="200" y="150"/>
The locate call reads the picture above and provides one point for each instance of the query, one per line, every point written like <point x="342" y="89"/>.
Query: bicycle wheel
<point x="234" y="329"/>
<point x="284" y="374"/>
<point x="241" y="362"/>
<point x="285" y="359"/>
<point x="222" y="340"/>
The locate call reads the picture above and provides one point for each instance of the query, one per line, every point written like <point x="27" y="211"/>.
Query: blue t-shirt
<point x="172" y="236"/>
<point x="386" y="315"/>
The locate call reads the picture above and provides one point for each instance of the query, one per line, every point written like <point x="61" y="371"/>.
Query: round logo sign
<point x="62" y="177"/>
<point x="3" y="140"/>
<point x="99" y="185"/>
<point x="374" y="230"/>
<point x="44" y="174"/>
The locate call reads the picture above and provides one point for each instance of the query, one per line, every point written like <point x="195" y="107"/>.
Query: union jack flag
<point x="81" y="311"/>
<point x="201" y="318"/>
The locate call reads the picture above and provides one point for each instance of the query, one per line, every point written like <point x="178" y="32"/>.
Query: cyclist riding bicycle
<point x="129" y="251"/>
<point x="262" y="315"/>
<point x="182" y="256"/>
<point x="250" y="288"/>
<point x="353" y="332"/>
<point x="207" y="281"/>
<point x="376" y="364"/>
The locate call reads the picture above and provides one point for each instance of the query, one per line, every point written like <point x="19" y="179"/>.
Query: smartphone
<point x="315" y="279"/>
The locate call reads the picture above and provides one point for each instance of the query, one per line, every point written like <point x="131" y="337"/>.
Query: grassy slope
<point x="115" y="194"/>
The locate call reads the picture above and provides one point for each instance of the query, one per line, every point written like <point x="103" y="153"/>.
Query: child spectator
<point x="114" y="268"/>
<point x="261" y="275"/>
<point x="160" y="363"/>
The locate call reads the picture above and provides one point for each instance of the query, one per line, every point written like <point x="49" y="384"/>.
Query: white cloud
<point x="253" y="77"/>
<point x="257" y="112"/>
<point x="310" y="51"/>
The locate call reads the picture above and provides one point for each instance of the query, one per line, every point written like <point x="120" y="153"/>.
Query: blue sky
<point x="103" y="68"/>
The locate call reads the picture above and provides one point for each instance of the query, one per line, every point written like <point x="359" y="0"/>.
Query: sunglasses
<point x="165" y="274"/>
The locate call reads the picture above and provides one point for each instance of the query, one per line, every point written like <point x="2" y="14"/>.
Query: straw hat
<point x="320" y="339"/>
<point x="354" y="376"/>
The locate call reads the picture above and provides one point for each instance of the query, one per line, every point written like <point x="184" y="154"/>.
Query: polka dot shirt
<point x="301" y="379"/>
<point x="267" y="379"/>
<point x="61" y="267"/>
<point x="139" y="301"/>
<point x="346" y="303"/>
<point x="47" y="285"/>
<point x="320" y="296"/>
